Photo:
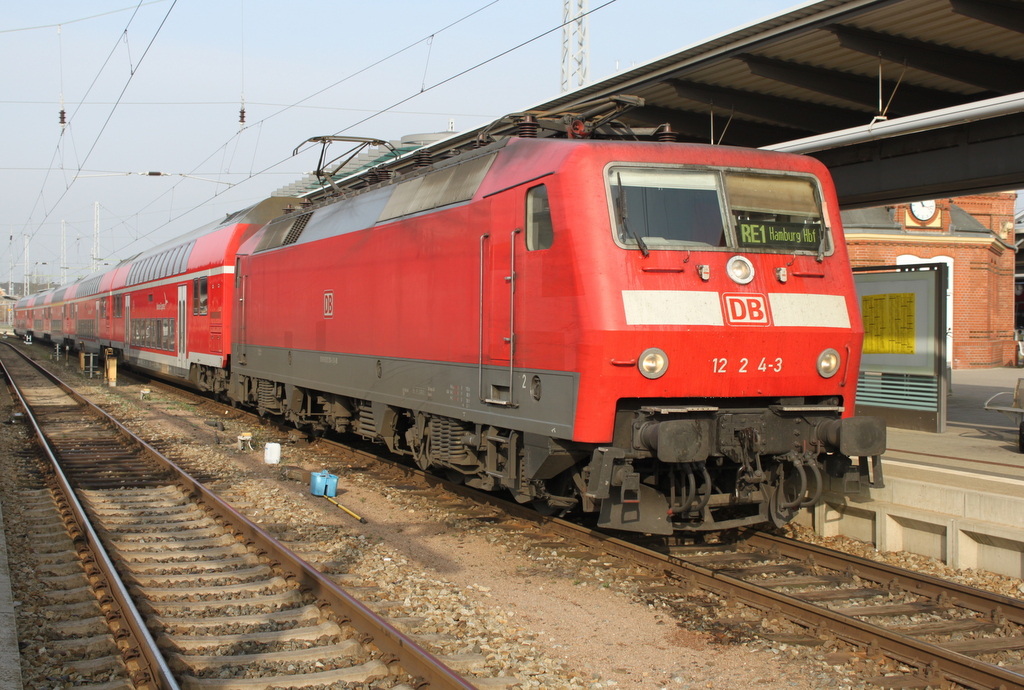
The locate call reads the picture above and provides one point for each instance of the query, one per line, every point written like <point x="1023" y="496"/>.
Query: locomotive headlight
<point x="740" y="269"/>
<point x="653" y="362"/>
<point x="828" y="363"/>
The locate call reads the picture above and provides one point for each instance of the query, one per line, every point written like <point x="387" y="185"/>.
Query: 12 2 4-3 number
<point x="720" y="365"/>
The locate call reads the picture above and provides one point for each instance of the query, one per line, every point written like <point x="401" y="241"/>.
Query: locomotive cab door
<point x="497" y="308"/>
<point x="238" y="325"/>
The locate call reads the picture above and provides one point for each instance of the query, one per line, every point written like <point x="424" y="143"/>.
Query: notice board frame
<point x="903" y="374"/>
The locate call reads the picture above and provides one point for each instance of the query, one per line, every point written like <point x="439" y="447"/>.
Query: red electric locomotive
<point x="665" y="334"/>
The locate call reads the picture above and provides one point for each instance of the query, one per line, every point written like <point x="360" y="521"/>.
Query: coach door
<point x="182" y="348"/>
<point x="128" y="335"/>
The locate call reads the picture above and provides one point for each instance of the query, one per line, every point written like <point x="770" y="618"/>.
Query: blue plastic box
<point x="323" y="483"/>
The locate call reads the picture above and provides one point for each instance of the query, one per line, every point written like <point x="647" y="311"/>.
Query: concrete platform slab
<point x="956" y="496"/>
<point x="10" y="659"/>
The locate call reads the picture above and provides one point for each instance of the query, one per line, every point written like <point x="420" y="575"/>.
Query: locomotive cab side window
<point x="539" y="230"/>
<point x="666" y="208"/>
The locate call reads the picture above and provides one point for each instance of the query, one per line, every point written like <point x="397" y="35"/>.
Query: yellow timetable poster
<point x="889" y="321"/>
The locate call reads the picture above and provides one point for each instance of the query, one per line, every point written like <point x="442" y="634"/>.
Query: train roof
<point x="257" y="214"/>
<point x="106" y="279"/>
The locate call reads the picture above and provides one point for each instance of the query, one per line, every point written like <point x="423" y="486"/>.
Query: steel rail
<point x="152" y="671"/>
<point x="925" y="656"/>
<point x="394" y="644"/>
<point x="881" y="573"/>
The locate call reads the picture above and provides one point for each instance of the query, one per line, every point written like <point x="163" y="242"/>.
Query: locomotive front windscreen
<point x="662" y="207"/>
<point x="675" y="208"/>
<point x="775" y="212"/>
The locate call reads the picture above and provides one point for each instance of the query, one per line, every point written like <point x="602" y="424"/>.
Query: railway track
<point x="942" y="632"/>
<point x="228" y="605"/>
<point x="938" y="631"/>
<point x="72" y="639"/>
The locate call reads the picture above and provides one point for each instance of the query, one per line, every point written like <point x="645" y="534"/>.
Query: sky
<point x="157" y="87"/>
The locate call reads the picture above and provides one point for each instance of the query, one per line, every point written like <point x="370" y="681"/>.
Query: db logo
<point x="328" y="304"/>
<point x="746" y="310"/>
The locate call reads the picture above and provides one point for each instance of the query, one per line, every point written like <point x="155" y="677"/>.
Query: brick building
<point x="974" y="235"/>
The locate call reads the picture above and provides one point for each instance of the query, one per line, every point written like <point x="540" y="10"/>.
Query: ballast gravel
<point x="531" y="614"/>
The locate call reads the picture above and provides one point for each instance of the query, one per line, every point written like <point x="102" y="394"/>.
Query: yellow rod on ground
<point x="362" y="520"/>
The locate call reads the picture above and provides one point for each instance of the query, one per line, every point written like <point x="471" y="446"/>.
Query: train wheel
<point x="784" y="495"/>
<point x="421" y="454"/>
<point x="779" y="515"/>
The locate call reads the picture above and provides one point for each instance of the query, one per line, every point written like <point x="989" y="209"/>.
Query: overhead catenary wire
<point x="253" y="173"/>
<point x="60" y="63"/>
<point x="81" y="163"/>
<point x="161" y="104"/>
<point x="286" y="108"/>
<point x="222" y="147"/>
<point x="81" y="19"/>
<point x="241" y="21"/>
<point x="475" y="67"/>
<point x="388" y="108"/>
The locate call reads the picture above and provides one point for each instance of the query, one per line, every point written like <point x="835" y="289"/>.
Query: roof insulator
<point x="666" y="133"/>
<point x="528" y="127"/>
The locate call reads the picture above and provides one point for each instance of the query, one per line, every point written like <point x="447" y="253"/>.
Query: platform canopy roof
<point x="901" y="99"/>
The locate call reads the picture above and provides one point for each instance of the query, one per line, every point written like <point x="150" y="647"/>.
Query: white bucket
<point x="272" y="454"/>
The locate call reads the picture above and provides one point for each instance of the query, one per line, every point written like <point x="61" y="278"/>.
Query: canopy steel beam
<point x="976" y="69"/>
<point x="855" y="88"/>
<point x="1008" y="15"/>
<point x="738" y="132"/>
<point x="782" y="111"/>
<point x="972" y="158"/>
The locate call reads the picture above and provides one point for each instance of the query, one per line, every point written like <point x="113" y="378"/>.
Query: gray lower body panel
<point x="540" y="402"/>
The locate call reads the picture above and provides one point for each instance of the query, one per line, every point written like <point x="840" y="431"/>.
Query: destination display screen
<point x="753" y="234"/>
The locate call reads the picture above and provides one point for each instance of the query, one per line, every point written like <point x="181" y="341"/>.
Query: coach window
<point x="202" y="295"/>
<point x="118" y="306"/>
<point x="539" y="231"/>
